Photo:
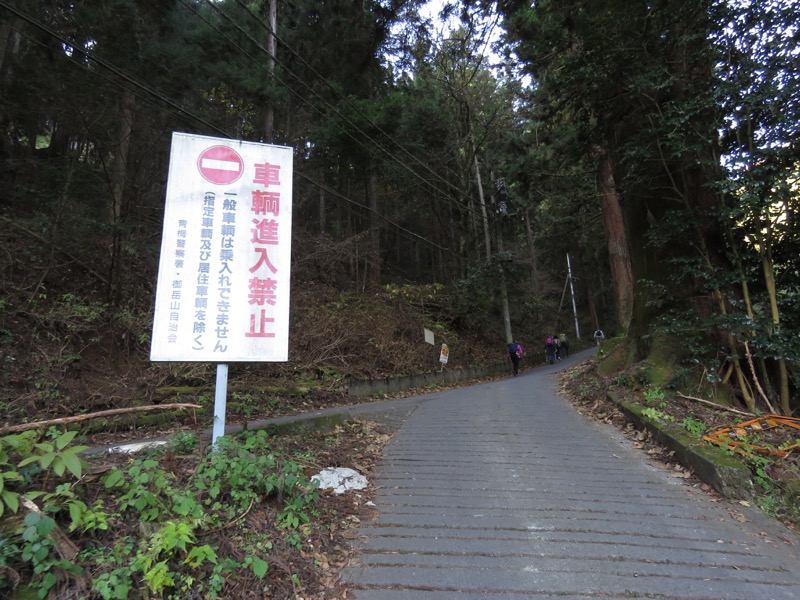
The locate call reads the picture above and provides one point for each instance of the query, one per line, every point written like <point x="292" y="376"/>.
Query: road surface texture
<point x="502" y="491"/>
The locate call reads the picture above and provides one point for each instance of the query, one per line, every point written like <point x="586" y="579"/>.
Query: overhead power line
<point x="333" y="108"/>
<point x="366" y="117"/>
<point x="245" y="53"/>
<point x="399" y="227"/>
<point x="137" y="83"/>
<point x="107" y="65"/>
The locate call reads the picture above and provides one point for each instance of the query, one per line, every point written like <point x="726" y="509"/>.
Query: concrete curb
<point x="725" y="474"/>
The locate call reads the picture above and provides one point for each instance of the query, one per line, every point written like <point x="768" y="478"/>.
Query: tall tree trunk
<point x="5" y="38"/>
<point x="591" y="307"/>
<point x="504" y="288"/>
<point x="532" y="250"/>
<point x="617" y="241"/>
<point x="118" y="175"/>
<point x="375" y="263"/>
<point x="484" y="213"/>
<point x="10" y="38"/>
<point x="322" y="210"/>
<point x="119" y="163"/>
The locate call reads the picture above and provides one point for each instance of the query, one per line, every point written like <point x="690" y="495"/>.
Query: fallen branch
<point x="94" y="415"/>
<point x="715" y="405"/>
<point x="237" y="519"/>
<point x="66" y="547"/>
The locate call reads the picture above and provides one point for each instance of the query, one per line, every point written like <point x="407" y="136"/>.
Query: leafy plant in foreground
<point x="655" y="396"/>
<point x="184" y="442"/>
<point x="37" y="549"/>
<point x="694" y="427"/>
<point x="31" y="542"/>
<point x="170" y="561"/>
<point x="656" y="415"/>
<point x="58" y="455"/>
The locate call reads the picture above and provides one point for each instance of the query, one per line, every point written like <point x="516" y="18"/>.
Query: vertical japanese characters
<point x="262" y="286"/>
<point x="179" y="255"/>
<point x="227" y="232"/>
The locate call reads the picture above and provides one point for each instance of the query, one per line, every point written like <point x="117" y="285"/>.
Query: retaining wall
<point x="725" y="473"/>
<point x="392" y="385"/>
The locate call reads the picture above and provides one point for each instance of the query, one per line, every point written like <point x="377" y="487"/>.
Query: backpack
<point x="549" y="341"/>
<point x="513" y="348"/>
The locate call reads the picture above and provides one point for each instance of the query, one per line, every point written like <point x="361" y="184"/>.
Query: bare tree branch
<point x="94" y="415"/>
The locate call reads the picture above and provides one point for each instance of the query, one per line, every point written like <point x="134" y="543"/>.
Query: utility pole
<point x="572" y="293"/>
<point x="269" y="118"/>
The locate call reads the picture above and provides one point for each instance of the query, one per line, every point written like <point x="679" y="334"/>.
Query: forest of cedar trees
<point x="484" y="170"/>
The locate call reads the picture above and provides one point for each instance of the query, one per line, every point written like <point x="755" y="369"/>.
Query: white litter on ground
<point x="340" y="479"/>
<point x="137" y="446"/>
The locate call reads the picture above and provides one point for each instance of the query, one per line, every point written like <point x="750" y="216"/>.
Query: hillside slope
<point x="67" y="351"/>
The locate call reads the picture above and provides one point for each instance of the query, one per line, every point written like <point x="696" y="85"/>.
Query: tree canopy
<point x="653" y="146"/>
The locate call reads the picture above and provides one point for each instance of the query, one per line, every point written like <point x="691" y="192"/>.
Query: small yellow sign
<point x="445" y="353"/>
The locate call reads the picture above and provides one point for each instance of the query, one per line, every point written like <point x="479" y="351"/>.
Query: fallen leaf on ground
<point x="737" y="516"/>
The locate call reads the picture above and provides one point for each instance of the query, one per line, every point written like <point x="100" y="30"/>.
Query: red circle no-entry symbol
<point x="220" y="165"/>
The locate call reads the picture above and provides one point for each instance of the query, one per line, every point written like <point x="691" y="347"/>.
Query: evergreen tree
<point x="640" y="86"/>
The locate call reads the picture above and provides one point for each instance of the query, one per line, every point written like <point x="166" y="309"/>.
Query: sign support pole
<point x="220" y="397"/>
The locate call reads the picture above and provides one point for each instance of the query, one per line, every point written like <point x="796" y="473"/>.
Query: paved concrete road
<point x="502" y="491"/>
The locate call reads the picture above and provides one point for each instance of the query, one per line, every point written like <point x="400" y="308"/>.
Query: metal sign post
<point x="220" y="403"/>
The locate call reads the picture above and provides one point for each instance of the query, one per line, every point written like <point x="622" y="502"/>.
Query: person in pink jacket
<point x="514" y="354"/>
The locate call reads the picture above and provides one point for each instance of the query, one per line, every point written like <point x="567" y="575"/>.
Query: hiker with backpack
<point x="557" y="344"/>
<point x="550" y="349"/>
<point x="514" y="354"/>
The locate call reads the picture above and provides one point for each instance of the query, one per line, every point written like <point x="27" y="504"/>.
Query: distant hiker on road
<point x="564" y="349"/>
<point x="515" y="353"/>
<point x="550" y="349"/>
<point x="599" y="336"/>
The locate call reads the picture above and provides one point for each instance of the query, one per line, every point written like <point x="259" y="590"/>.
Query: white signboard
<point x="223" y="277"/>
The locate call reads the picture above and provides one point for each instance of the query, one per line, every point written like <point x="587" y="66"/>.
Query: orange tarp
<point x="735" y="437"/>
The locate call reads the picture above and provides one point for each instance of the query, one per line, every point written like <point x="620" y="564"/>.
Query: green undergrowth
<point x="180" y="522"/>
